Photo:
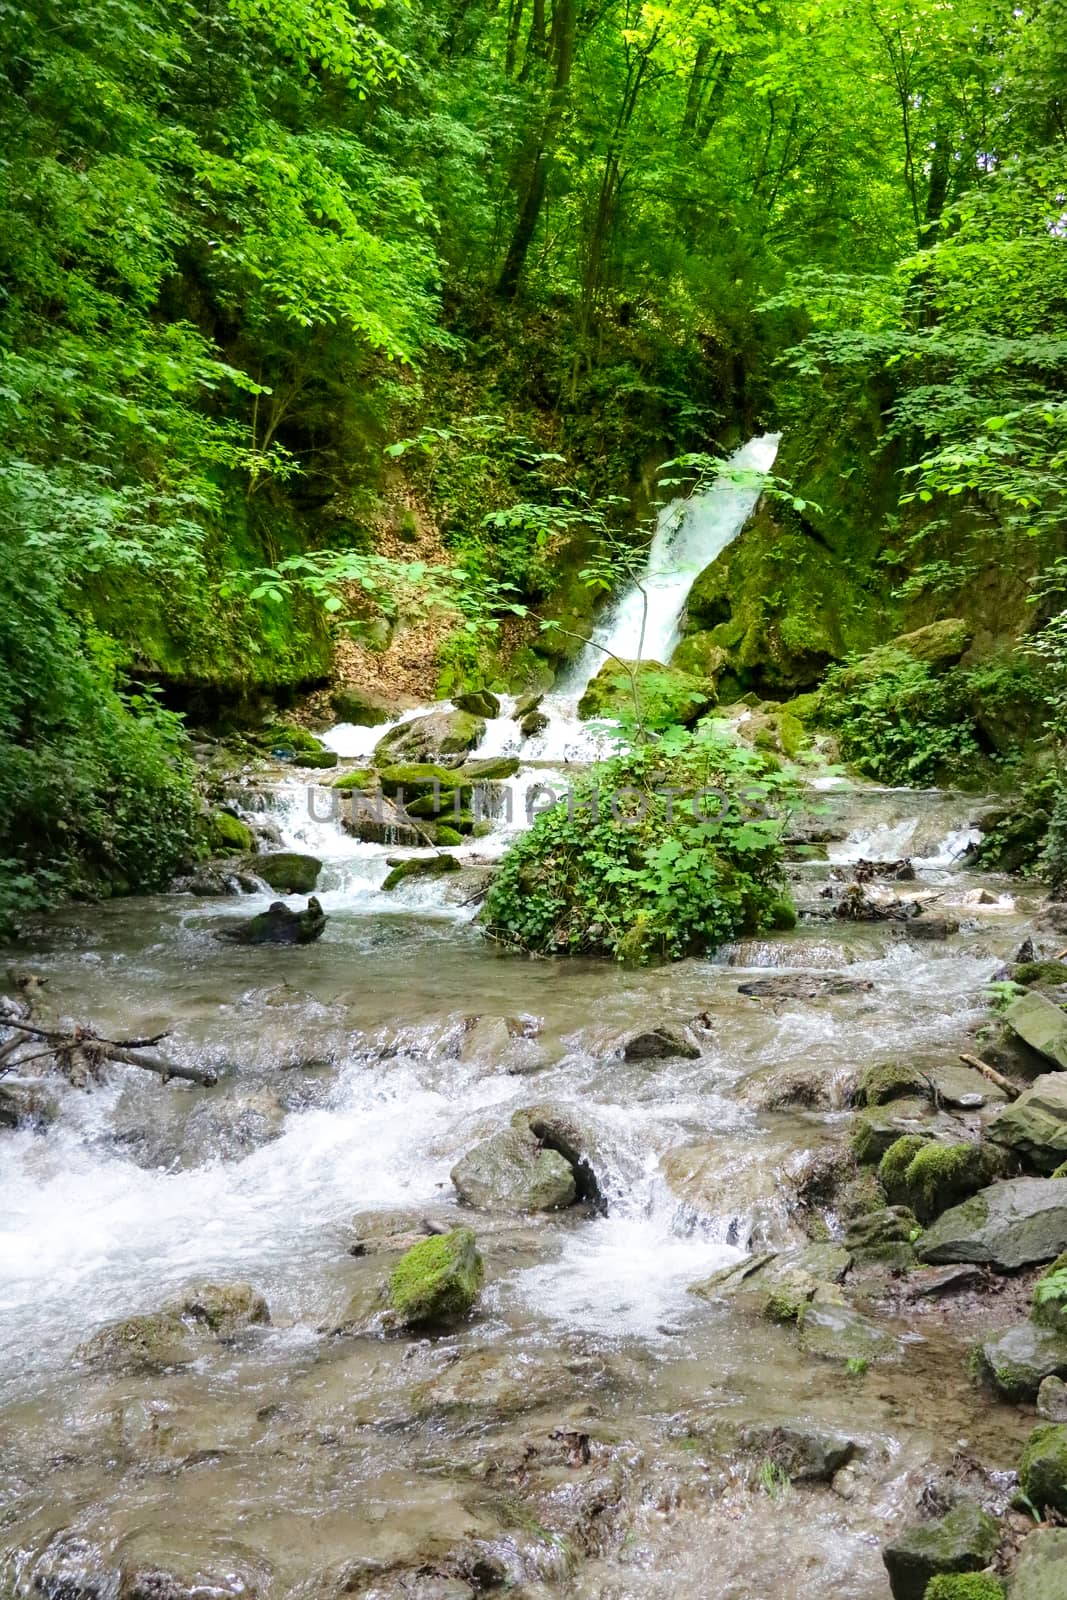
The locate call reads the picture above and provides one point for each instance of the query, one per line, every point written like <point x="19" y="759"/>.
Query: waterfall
<point x="689" y="535"/>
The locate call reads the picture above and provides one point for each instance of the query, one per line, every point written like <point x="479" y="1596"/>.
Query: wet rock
<point x="964" y="1540"/>
<point x="501" y="1044"/>
<point x="813" y="1088"/>
<point x="430" y="738"/>
<point x="365" y="708"/>
<point x="1042" y="1570"/>
<point x="882" y="1236"/>
<point x="890" y="1081"/>
<point x="27" y="1105"/>
<point x="1040" y="1024"/>
<point x="392" y="1232"/>
<point x="1009" y="1225"/>
<point x="809" y="986"/>
<point x="779" y="1286"/>
<point x="928" y="1176"/>
<point x="438" y="1280"/>
<point x="226" y="1309"/>
<point x="924" y="927"/>
<point x="1034" y="1127"/>
<point x="661" y="1044"/>
<point x="279" y="925"/>
<point x="877" y="1130"/>
<point x="156" y="1583"/>
<point x="838" y="1333"/>
<point x="377" y="820"/>
<point x="228" y="835"/>
<point x="561" y="1127"/>
<point x="740" y="1185"/>
<point x="1052" y="1399"/>
<point x="1054" y="914"/>
<point x="1043" y="1467"/>
<point x="420" y="867"/>
<point x="153" y="1343"/>
<point x="1016" y="1361"/>
<point x="533" y="723"/>
<point x="963" y="1088"/>
<point x="210" y="882"/>
<point x="805" y="1454"/>
<point x="227" y="1126"/>
<point x="933" y="1283"/>
<point x="1039" y="974"/>
<point x="486" y="769"/>
<point x="512" y="1172"/>
<point x="479" y="702"/>
<point x="287" y="872"/>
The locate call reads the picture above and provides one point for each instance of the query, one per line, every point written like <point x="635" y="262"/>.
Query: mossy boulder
<point x="225" y="1309"/>
<point x="366" y="708"/>
<point x="278" y="925"/>
<point x="446" y="838"/>
<point x="1040" y="1024"/>
<point x="874" y="1131"/>
<point x="487" y="769"/>
<point x="421" y="780"/>
<point x="1009" y="1225"/>
<point x="964" y="1540"/>
<point x="882" y="1237"/>
<point x="362" y="778"/>
<point x="227" y="835"/>
<point x="429" y="738"/>
<point x="890" y="1081"/>
<point x="1043" y="1467"/>
<point x="420" y="867"/>
<point x="478" y="702"/>
<point x="1050" y="1297"/>
<point x="511" y="1171"/>
<point x="939" y="645"/>
<point x="964" y="1586"/>
<point x="665" y="695"/>
<point x="438" y="1280"/>
<point x="287" y="872"/>
<point x="1040" y="974"/>
<point x="700" y="656"/>
<point x="930" y="1176"/>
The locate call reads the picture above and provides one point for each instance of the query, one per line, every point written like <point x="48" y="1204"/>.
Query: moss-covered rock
<point x="420" y="780"/>
<point x="1017" y="1361"/>
<point x="1043" y="1467"/>
<point x="429" y="738"/>
<point x="1034" y="1127"/>
<point x="228" y="835"/>
<point x="446" y="837"/>
<point x="939" y="645"/>
<point x="366" y="708"/>
<point x="437" y="1280"/>
<point x="478" y="702"/>
<point x="1040" y="973"/>
<point x="288" y="872"/>
<point x="1041" y="1573"/>
<point x="876" y="1130"/>
<point x="665" y="695"/>
<point x="420" y="867"/>
<point x="882" y="1237"/>
<point x="362" y="778"/>
<point x="930" y="1176"/>
<point x="964" y="1586"/>
<point x="964" y="1540"/>
<point x="890" y="1081"/>
<point x="700" y="656"/>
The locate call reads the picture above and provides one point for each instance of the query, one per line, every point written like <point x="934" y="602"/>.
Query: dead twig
<point x="1010" y="1089"/>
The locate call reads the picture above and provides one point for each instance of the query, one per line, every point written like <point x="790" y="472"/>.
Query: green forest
<point x="319" y="320"/>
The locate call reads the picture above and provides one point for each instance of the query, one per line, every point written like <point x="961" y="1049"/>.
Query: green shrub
<point x="964" y="1586"/>
<point x="661" y="882"/>
<point x="905" y="725"/>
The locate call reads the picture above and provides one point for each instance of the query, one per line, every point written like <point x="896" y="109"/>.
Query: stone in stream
<point x="1009" y="1225"/>
<point x="809" y="986"/>
<point x="420" y="867"/>
<point x="27" y="1105"/>
<point x="965" y="1539"/>
<point x="1017" y="1361"/>
<point x="182" y="1332"/>
<point x="779" y="1286"/>
<point x="479" y="702"/>
<point x="227" y="1126"/>
<point x="510" y="1171"/>
<point x="740" y="1183"/>
<point x="928" y="1175"/>
<point x="1040" y="1024"/>
<point x="838" y="1333"/>
<point x="805" y="1454"/>
<point x="1043" y="1467"/>
<point x="438" y="1280"/>
<point x="279" y="925"/>
<point x="888" y="1081"/>
<point x="1034" y="1127"/>
<point x="526" y="704"/>
<point x="366" y="708"/>
<point x="1052" y="1399"/>
<point x="437" y="735"/>
<point x="562" y="1128"/>
<point x="1042" y="1570"/>
<point x="287" y="872"/>
<point x="661" y="1044"/>
<point x="876" y="1130"/>
<point x="533" y="723"/>
<point x="665" y="694"/>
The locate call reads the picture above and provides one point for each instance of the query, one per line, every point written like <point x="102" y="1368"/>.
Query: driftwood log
<point x="86" y="1047"/>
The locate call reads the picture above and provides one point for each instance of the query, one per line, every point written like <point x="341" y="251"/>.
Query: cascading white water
<point x="646" y="620"/>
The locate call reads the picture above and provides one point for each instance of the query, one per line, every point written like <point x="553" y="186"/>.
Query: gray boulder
<point x="512" y="1172"/>
<point x="660" y="1044"/>
<point x="1042" y="1570"/>
<point x="964" y="1540"/>
<point x="1017" y="1361"/>
<point x="561" y="1127"/>
<point x="287" y="872"/>
<point x="430" y="738"/>
<point x="1034" y="1127"/>
<point x="804" y="1454"/>
<point x="1052" y="1399"/>
<point x="837" y="1333"/>
<point x="1041" y="1025"/>
<point x="1006" y="1226"/>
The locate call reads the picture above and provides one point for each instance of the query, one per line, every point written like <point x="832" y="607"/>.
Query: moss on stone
<point x="891" y="1081"/>
<point x="360" y="778"/>
<point x="699" y="655"/>
<point x="665" y="695"/>
<point x="782" y="915"/>
<point x="228" y="835"/>
<point x="420" y="867"/>
<point x="288" y="872"/>
<point x="893" y="1167"/>
<point x="1029" y="973"/>
<point x="437" y="1280"/>
<point x="444" y="835"/>
<point x="964" y="1586"/>
<point x="418" y="778"/>
<point x="1043" y="1468"/>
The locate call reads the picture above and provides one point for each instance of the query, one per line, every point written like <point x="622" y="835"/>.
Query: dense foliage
<point x="245" y="247"/>
<point x="668" y="850"/>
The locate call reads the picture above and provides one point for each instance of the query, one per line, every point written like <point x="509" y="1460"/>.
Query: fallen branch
<point x="94" y="1050"/>
<point x="1012" y="1090"/>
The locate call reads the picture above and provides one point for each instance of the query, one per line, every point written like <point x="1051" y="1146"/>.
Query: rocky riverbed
<point x="722" y="1335"/>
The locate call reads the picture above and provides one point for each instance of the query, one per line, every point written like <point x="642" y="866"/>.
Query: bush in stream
<point x="905" y="725"/>
<point x="667" y="850"/>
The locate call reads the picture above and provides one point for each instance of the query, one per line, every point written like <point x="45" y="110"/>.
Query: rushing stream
<point x="352" y="1080"/>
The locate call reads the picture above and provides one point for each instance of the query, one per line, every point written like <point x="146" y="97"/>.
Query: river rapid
<point x="584" y="1434"/>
